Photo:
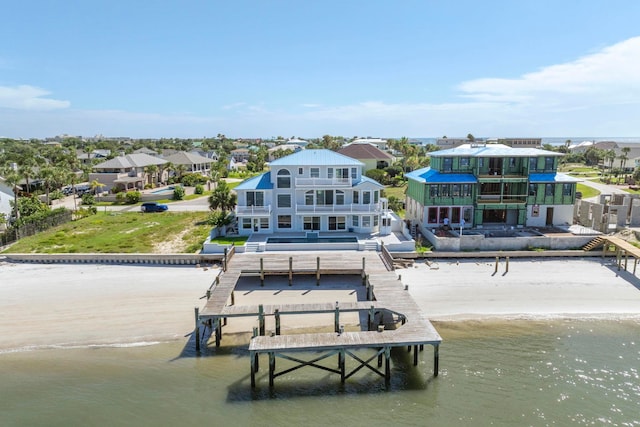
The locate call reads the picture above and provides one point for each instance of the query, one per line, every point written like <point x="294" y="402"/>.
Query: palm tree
<point x="50" y="176"/>
<point x="611" y="156"/>
<point x="96" y="186"/>
<point x="26" y="171"/>
<point x="623" y="159"/>
<point x="180" y="170"/>
<point x="12" y="177"/>
<point x="222" y="198"/>
<point x="153" y="171"/>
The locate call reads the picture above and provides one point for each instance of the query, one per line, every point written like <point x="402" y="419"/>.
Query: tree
<point x="610" y="155"/>
<point x="222" y="198"/>
<point x="471" y="138"/>
<point x="12" y="178"/>
<point x="153" y="171"/>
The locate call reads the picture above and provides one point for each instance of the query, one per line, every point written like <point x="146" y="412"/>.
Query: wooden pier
<point x="393" y="318"/>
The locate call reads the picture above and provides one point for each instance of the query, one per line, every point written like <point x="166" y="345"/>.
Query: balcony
<point x="505" y="199"/>
<point x="322" y="182"/>
<point x="338" y="209"/>
<point x="253" y="210"/>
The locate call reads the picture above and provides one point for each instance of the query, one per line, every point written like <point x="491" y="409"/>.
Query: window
<point x="354" y="173"/>
<point x="481" y="162"/>
<point x="533" y="164"/>
<point x="246" y="223"/>
<point x="447" y="164"/>
<point x="300" y="171"/>
<point x="284" y="200"/>
<point x="330" y="173"/>
<point x="356" y="198"/>
<point x="549" y="189"/>
<point x="315" y="172"/>
<point x="355" y="220"/>
<point x="264" y="222"/>
<point x="464" y="162"/>
<point x="366" y="221"/>
<point x="339" y="197"/>
<point x="566" y="189"/>
<point x="548" y="163"/>
<point x="284" y="179"/>
<point x="342" y="173"/>
<point x="445" y="190"/>
<point x="255" y="198"/>
<point x="375" y="221"/>
<point x="432" y="216"/>
<point x="455" y="215"/>
<point x="337" y="223"/>
<point x="466" y="190"/>
<point x="284" y="221"/>
<point x="308" y="198"/>
<point x="375" y="197"/>
<point x="433" y="191"/>
<point x="455" y="192"/>
<point x="311" y="223"/>
<point x="366" y="197"/>
<point x="512" y="162"/>
<point x="386" y="222"/>
<point x="533" y="189"/>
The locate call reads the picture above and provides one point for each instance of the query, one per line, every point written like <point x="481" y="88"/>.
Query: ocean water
<point x="502" y="373"/>
<point x="555" y="140"/>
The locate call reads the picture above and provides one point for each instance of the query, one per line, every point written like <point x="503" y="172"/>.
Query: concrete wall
<point x="168" y="259"/>
<point x="478" y="242"/>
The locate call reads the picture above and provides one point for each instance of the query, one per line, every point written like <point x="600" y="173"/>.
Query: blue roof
<point x="260" y="182"/>
<point x="432" y="176"/>
<point x="316" y="158"/>
<point x="551" y="177"/>
<point x="493" y="150"/>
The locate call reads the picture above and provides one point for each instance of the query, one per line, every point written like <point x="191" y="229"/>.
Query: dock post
<point x="436" y="356"/>
<point x="197" y="329"/>
<point x="208" y="293"/>
<point x="233" y="298"/>
<point x="421" y="347"/>
<point x="218" y="331"/>
<point x="341" y="363"/>
<point x="318" y="271"/>
<point x="272" y="367"/>
<point x="277" y="316"/>
<point x="372" y="315"/>
<point x="364" y="274"/>
<point x="290" y="271"/>
<point x="261" y="271"/>
<point x="415" y="355"/>
<point x="387" y="365"/>
<point x="507" y="265"/>
<point x="225" y="260"/>
<point x="253" y="368"/>
<point x="336" y="319"/>
<point x="496" y="269"/>
<point x="380" y="359"/>
<point x="369" y="292"/>
<point x="256" y="361"/>
<point x="618" y="258"/>
<point x="261" y="319"/>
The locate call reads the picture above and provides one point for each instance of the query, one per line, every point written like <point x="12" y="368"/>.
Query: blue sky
<point x="308" y="68"/>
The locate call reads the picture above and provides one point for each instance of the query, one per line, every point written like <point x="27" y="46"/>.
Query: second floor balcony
<point x="253" y="210"/>
<point x="338" y="209"/>
<point x="323" y="182"/>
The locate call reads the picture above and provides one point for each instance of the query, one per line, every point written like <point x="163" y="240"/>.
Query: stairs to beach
<point x="593" y="244"/>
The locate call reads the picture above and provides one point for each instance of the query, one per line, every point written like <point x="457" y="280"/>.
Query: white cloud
<point x="26" y="97"/>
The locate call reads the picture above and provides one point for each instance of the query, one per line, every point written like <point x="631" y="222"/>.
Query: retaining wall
<point x="158" y="259"/>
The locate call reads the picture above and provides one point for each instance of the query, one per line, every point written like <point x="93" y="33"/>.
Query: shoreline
<point x="92" y="305"/>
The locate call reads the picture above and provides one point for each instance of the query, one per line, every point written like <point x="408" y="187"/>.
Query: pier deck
<point x="385" y="292"/>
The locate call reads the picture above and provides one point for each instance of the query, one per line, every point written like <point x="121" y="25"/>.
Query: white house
<point x="6" y="196"/>
<point x="310" y="191"/>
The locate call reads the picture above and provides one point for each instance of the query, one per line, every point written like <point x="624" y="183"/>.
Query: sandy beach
<point x="68" y="305"/>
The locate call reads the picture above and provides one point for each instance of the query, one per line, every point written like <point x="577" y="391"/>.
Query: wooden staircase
<point x="593" y="244"/>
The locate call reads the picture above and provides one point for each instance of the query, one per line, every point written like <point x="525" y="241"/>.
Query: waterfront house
<point x="479" y="185"/>
<point x="310" y="191"/>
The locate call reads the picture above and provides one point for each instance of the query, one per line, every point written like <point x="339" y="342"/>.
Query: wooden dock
<point x="394" y="319"/>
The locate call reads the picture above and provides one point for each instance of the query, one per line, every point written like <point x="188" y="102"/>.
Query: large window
<point x="433" y="190"/>
<point x="354" y="173"/>
<point x="355" y="221"/>
<point x="255" y="198"/>
<point x="366" y="221"/>
<point x="447" y="164"/>
<point x="337" y="223"/>
<point x="284" y="179"/>
<point x="548" y="163"/>
<point x="284" y="221"/>
<point x="549" y="190"/>
<point x="533" y="189"/>
<point x="311" y="223"/>
<point x="308" y="198"/>
<point x="356" y="197"/>
<point x="366" y="197"/>
<point x="455" y="192"/>
<point x="339" y="197"/>
<point x="464" y="162"/>
<point x="445" y="190"/>
<point x="246" y="223"/>
<point x="466" y="190"/>
<point x="342" y="173"/>
<point x="376" y="197"/>
<point x="432" y="217"/>
<point x="533" y="164"/>
<point x="566" y="189"/>
<point x="284" y="200"/>
<point x="315" y="172"/>
<point x="264" y="223"/>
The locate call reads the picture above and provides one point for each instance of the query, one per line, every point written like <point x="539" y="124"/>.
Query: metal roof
<point x="367" y="180"/>
<point x="137" y="160"/>
<point x="492" y="150"/>
<point x="320" y="157"/>
<point x="432" y="176"/>
<point x="260" y="182"/>
<point x="536" y="178"/>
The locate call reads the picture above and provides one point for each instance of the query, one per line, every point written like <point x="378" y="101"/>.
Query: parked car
<point x="153" y="207"/>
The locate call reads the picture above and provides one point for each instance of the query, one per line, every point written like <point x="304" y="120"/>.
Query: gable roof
<point x="184" y="158"/>
<point x="321" y="157"/>
<point x="260" y="182"/>
<point x="365" y="151"/>
<point x="138" y="160"/>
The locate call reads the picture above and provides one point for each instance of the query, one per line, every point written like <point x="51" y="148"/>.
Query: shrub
<point x="199" y="189"/>
<point x="133" y="197"/>
<point x="178" y="192"/>
<point x="56" y="195"/>
<point x="193" y="179"/>
<point x="121" y="197"/>
<point x="88" y="199"/>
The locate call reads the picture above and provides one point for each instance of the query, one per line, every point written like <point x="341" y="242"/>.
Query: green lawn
<point x="114" y="232"/>
<point x="586" y="191"/>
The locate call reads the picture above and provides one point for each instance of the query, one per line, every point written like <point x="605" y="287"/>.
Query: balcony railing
<point x="505" y="199"/>
<point x="323" y="182"/>
<point x="253" y="210"/>
<point x="338" y="209"/>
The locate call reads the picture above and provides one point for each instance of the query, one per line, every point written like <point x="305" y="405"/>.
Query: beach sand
<point x="86" y="304"/>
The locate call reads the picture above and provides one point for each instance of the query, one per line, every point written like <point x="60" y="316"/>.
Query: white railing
<point x="253" y="210"/>
<point x="338" y="209"/>
<point x="323" y="182"/>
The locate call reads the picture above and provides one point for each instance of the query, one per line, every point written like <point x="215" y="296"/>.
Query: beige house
<point x="370" y="155"/>
<point x="125" y="172"/>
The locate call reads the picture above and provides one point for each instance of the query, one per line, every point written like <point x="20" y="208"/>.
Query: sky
<point x="267" y="68"/>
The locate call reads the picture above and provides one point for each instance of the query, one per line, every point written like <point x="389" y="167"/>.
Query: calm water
<point x="504" y="373"/>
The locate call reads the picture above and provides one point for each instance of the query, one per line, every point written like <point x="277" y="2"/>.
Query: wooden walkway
<point x="387" y="299"/>
<point x="622" y="249"/>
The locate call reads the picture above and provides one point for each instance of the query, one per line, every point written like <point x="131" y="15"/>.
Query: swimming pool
<point x="163" y="190"/>
<point x="312" y="240"/>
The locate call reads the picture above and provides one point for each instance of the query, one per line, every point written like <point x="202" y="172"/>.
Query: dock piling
<point x="261" y="319"/>
<point x="276" y="314"/>
<point x="196" y="331"/>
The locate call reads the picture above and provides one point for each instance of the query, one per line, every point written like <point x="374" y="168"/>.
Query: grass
<point x="112" y="232"/>
<point x="227" y="240"/>
<point x="586" y="191"/>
